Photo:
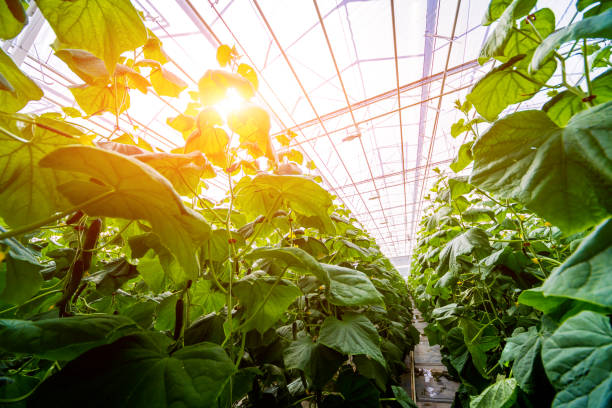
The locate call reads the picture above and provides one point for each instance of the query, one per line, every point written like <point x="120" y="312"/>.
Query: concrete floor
<point x="433" y="387"/>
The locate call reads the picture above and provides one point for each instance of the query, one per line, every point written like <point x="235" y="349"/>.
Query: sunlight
<point x="232" y="101"/>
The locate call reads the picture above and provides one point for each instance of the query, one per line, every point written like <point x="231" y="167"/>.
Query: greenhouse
<point x="306" y="203"/>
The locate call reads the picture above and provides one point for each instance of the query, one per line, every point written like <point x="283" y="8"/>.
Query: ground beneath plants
<point x="433" y="387"/>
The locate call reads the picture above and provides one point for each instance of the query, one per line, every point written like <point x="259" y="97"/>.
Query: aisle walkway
<point x="432" y="386"/>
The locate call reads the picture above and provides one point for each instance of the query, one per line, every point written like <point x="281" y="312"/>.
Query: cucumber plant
<point x="123" y="284"/>
<point x="512" y="268"/>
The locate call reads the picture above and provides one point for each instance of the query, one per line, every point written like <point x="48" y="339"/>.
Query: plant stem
<point x="587" y="75"/>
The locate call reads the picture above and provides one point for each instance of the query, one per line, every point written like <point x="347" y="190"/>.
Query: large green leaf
<point x="508" y="84"/>
<point x="356" y="390"/>
<point x="20" y="277"/>
<point x="497" y="39"/>
<point x="524" y="349"/>
<point x="502" y="394"/>
<point x="106" y="28"/>
<point x="27" y="192"/>
<point x="599" y="26"/>
<point x="184" y="171"/>
<point x="562" y="174"/>
<point x="268" y="192"/>
<point x="473" y="240"/>
<point x="578" y="361"/>
<point x="64" y="338"/>
<point x="600" y="7"/>
<point x="265" y="299"/>
<point x="252" y="124"/>
<point x="525" y="39"/>
<point x="317" y="361"/>
<point x="585" y="276"/>
<point x="497" y="7"/>
<point x="566" y="104"/>
<point x="350" y="287"/>
<point x="292" y="257"/>
<point x="136" y="371"/>
<point x="136" y="191"/>
<point x="12" y="18"/>
<point x="354" y="334"/>
<point x="23" y="88"/>
<point x="95" y="99"/>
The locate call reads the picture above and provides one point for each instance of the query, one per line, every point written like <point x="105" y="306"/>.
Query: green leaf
<point x="152" y="271"/>
<point x="562" y="174"/>
<point x="473" y="241"/>
<point x="252" y="124"/>
<point x="350" y="287"/>
<point x="62" y="338"/>
<point x="508" y="84"/>
<point x="208" y="138"/>
<point x="23" y="88"/>
<point x="205" y="294"/>
<point x="497" y="8"/>
<point x="357" y="391"/>
<point x="249" y="74"/>
<point x="599" y="26"/>
<point x="578" y="361"/>
<point x="137" y="371"/>
<point x="95" y="99"/>
<point x="601" y="59"/>
<point x="354" y="334"/>
<point x="19" y="273"/>
<point x="106" y="28"/>
<point x="317" y="361"/>
<point x="602" y="5"/>
<point x="268" y="192"/>
<point x="502" y="394"/>
<point x="464" y="157"/>
<point x="292" y="257"/>
<point x="458" y="128"/>
<point x="166" y="83"/>
<point x="536" y="299"/>
<point x="478" y="214"/>
<point x="136" y="191"/>
<point x="402" y="397"/>
<point x="566" y="104"/>
<point x="242" y="383"/>
<point x="12" y="18"/>
<point x="497" y="39"/>
<point x="112" y="275"/>
<point x="153" y="49"/>
<point x="585" y="276"/>
<point x="87" y="66"/>
<point x="28" y="192"/>
<point x="224" y="55"/>
<point x="525" y="39"/>
<point x="524" y="349"/>
<point x="184" y="171"/>
<point x="265" y="299"/>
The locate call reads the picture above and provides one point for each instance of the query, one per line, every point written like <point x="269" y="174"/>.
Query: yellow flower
<point x="321" y="287"/>
<point x="547" y="224"/>
<point x="2" y="256"/>
<point x="535" y="260"/>
<point x="522" y="217"/>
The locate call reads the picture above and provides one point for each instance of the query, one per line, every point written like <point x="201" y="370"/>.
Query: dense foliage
<point x="513" y="268"/>
<point x="122" y="285"/>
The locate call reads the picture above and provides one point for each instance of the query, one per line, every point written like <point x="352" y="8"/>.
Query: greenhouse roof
<point x="368" y="86"/>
